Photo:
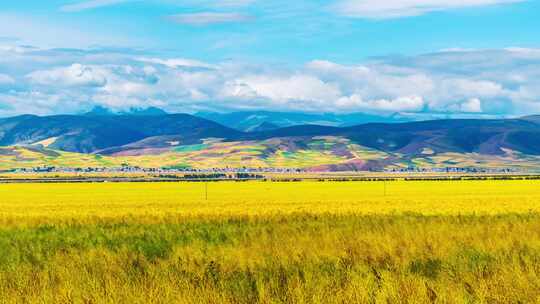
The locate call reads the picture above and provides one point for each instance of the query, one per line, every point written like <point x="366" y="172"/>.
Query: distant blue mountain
<point x="103" y="111"/>
<point x="99" y="111"/>
<point x="104" y="132"/>
<point x="251" y="120"/>
<point x="91" y="133"/>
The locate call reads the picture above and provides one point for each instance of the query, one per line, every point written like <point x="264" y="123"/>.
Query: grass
<point x="263" y="242"/>
<point x="191" y="148"/>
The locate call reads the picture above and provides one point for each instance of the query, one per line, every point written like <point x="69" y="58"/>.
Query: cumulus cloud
<point x="207" y="18"/>
<point x="73" y="75"/>
<point x="283" y="89"/>
<point x="473" y="105"/>
<point x="476" y="82"/>
<point x="374" y="9"/>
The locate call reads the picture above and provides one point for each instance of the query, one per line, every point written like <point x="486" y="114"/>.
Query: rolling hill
<point x="87" y="134"/>
<point x="461" y="136"/>
<point x="316" y="154"/>
<point x="161" y="140"/>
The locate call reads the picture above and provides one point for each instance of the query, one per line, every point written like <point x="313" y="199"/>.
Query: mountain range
<point x="151" y="132"/>
<point x="266" y="120"/>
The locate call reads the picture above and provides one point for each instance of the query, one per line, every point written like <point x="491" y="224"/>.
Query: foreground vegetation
<point x="261" y="242"/>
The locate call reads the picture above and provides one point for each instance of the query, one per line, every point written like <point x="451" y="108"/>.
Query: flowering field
<point x="271" y="242"/>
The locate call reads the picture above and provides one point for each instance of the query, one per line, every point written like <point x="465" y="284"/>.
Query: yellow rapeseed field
<point x="271" y="242"/>
<point x="58" y="201"/>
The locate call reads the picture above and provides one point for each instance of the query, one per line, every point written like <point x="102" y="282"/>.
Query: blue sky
<point x="436" y="57"/>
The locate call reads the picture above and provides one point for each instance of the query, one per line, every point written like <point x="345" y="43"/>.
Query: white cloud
<point x="41" y="103"/>
<point x="283" y="89"/>
<point x="207" y="18"/>
<point x="94" y="4"/>
<point x="41" y="31"/>
<point x="472" y="105"/>
<point x="74" y="75"/>
<point x="485" y="82"/>
<point x="91" y="4"/>
<point x="467" y="87"/>
<point x="178" y="63"/>
<point x="376" y="9"/>
<point x="406" y="103"/>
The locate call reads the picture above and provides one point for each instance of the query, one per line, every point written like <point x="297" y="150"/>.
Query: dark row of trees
<point x="214" y="176"/>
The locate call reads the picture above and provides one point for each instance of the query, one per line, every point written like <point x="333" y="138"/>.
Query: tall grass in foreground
<point x="294" y="258"/>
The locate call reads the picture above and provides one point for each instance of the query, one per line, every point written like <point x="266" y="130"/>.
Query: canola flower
<point x="265" y="242"/>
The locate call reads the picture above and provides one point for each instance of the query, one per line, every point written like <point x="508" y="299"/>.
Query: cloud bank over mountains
<point x="476" y="82"/>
